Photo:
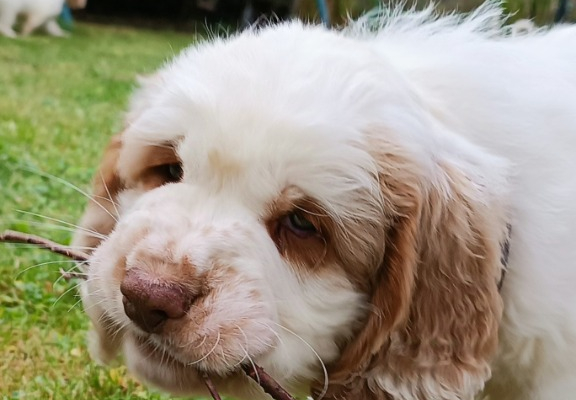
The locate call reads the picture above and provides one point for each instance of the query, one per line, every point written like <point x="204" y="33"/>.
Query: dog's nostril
<point x="150" y="302"/>
<point x="149" y="320"/>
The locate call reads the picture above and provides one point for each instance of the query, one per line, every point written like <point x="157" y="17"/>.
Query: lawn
<point x="60" y="101"/>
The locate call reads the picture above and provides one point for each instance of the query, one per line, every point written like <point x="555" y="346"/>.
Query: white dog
<point x="339" y="207"/>
<point x="38" y="13"/>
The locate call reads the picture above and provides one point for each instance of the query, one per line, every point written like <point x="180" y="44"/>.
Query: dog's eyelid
<point x="163" y="162"/>
<point x="298" y="223"/>
<point x="158" y="155"/>
<point x="158" y="164"/>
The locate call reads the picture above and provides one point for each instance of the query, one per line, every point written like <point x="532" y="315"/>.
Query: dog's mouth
<point x="165" y="354"/>
<point x="199" y="355"/>
<point x="196" y="347"/>
<point x="244" y="379"/>
<point x="153" y="359"/>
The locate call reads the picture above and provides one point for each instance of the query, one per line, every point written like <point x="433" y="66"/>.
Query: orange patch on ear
<point x="390" y="292"/>
<point x="436" y="308"/>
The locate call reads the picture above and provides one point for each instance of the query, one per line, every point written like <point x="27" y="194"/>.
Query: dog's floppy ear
<point x="435" y="308"/>
<point x="101" y="212"/>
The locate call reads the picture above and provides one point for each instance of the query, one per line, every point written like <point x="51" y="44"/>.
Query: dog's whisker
<point x="241" y="361"/>
<point x="48" y="225"/>
<point x="273" y="331"/>
<point x="187" y="345"/>
<point x="20" y="273"/>
<point x="246" y="355"/>
<point x="67" y="274"/>
<point x="324" y="369"/>
<point x="79" y="301"/>
<point x="106" y="199"/>
<point x="120" y="330"/>
<point x="70" y="289"/>
<point x="74" y="227"/>
<point x="209" y="352"/>
<point x="253" y="365"/>
<point x="110" y="197"/>
<point x="71" y="186"/>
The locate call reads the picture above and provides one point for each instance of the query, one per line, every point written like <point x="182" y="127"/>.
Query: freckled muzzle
<point x="196" y="293"/>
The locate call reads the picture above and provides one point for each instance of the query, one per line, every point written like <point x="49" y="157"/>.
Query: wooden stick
<point x="255" y="372"/>
<point x="211" y="387"/>
<point x="19" y="237"/>
<point x="67" y="275"/>
<point x="267" y="383"/>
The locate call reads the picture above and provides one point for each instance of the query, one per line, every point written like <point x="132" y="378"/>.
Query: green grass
<point x="60" y="101"/>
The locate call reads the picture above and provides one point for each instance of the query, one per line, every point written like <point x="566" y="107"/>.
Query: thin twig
<point x="211" y="387"/>
<point x="267" y="383"/>
<point x="255" y="372"/>
<point x="19" y="237"/>
<point x="67" y="275"/>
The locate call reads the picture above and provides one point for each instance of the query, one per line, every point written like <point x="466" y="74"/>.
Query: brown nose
<point x="149" y="302"/>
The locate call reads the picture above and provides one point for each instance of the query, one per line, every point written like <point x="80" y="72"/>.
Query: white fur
<point x="290" y="105"/>
<point x="38" y="13"/>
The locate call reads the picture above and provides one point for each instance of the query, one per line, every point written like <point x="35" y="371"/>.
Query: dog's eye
<point x="171" y="172"/>
<point x="299" y="225"/>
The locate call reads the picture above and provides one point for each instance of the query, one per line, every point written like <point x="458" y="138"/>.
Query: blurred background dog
<point x="36" y="13"/>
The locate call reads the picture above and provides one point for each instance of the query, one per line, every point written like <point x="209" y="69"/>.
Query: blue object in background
<point x="66" y="18"/>
<point x="323" y="10"/>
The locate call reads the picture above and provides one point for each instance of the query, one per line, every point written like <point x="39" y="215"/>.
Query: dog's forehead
<point x="246" y="112"/>
<point x="291" y="73"/>
<point x="253" y="153"/>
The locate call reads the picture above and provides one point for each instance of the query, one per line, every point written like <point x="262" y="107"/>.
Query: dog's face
<point x="280" y="198"/>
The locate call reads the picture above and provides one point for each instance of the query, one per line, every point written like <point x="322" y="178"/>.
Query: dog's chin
<point x="170" y="371"/>
<point x="162" y="354"/>
<point x="212" y="354"/>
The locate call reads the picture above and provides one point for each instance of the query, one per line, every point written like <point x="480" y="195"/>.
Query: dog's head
<point x="286" y="198"/>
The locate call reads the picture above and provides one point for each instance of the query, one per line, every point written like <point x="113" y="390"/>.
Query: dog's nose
<point x="149" y="302"/>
